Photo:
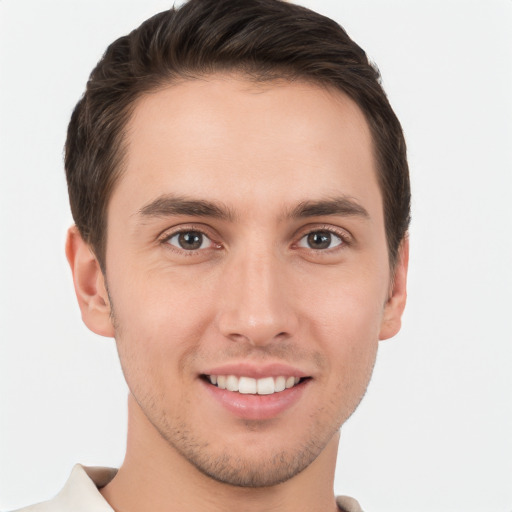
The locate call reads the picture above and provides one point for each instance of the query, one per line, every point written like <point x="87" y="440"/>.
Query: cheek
<point x="349" y="311"/>
<point x="346" y="321"/>
<point x="157" y="323"/>
<point x="351" y="341"/>
<point x="159" y="300"/>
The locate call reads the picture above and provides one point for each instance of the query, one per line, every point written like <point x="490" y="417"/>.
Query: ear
<point x="89" y="282"/>
<point x="394" y="307"/>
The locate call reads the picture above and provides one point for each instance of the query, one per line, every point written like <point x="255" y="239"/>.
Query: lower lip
<point x="257" y="407"/>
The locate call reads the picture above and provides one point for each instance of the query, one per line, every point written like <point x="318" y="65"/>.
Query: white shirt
<point x="80" y="494"/>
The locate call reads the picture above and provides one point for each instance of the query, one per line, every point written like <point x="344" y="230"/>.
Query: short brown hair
<point x="264" y="39"/>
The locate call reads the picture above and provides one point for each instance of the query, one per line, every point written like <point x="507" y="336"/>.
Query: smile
<point x="251" y="386"/>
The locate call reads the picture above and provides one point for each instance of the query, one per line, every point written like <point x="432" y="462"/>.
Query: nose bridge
<point x="256" y="303"/>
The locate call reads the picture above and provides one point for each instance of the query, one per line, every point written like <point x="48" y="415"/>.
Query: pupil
<point x="190" y="240"/>
<point x="319" y="240"/>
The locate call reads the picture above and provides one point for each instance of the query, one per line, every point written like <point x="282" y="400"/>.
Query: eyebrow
<point x="343" y="205"/>
<point x="168" y="205"/>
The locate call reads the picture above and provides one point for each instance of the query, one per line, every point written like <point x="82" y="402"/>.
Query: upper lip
<point x="255" y="371"/>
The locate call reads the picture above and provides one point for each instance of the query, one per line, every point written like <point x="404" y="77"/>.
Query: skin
<point x="256" y="291"/>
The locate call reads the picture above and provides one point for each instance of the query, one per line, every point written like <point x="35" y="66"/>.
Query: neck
<point x="156" y="478"/>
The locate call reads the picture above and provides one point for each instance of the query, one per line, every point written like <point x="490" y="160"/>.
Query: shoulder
<point x="80" y="494"/>
<point x="348" y="504"/>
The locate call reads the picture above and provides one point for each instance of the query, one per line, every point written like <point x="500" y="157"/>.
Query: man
<point x="240" y="190"/>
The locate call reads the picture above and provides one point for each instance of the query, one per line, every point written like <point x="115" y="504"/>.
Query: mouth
<point x="256" y="392"/>
<point x="252" y="386"/>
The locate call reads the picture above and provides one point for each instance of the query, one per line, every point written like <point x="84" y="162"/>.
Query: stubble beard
<point x="233" y="469"/>
<point x="243" y="468"/>
<point x="252" y="468"/>
<point x="230" y="468"/>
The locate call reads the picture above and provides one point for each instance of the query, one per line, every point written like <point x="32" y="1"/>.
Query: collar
<point x="80" y="493"/>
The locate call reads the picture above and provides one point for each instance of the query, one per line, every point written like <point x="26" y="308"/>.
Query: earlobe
<point x="395" y="305"/>
<point x="90" y="288"/>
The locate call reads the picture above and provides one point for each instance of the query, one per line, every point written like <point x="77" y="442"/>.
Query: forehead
<point x="246" y="143"/>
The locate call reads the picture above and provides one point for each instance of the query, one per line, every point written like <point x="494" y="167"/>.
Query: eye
<point x="190" y="240"/>
<point x="320" y="240"/>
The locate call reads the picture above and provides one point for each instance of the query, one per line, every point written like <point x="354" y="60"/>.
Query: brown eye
<point x="320" y="240"/>
<point x="190" y="240"/>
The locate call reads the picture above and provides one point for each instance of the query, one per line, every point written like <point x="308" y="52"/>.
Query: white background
<point x="435" y="430"/>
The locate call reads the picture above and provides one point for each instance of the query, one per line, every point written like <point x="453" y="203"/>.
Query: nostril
<point x="257" y="338"/>
<point x="238" y="337"/>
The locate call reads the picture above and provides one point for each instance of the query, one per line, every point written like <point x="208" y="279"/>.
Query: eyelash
<point x="345" y="238"/>
<point x="167" y="236"/>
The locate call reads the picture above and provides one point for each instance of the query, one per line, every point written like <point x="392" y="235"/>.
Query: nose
<point x="256" y="302"/>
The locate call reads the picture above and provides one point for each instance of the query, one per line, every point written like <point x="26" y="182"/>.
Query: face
<point x="247" y="270"/>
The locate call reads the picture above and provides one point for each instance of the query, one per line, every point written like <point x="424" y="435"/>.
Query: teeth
<point x="250" y="386"/>
<point x="247" y="386"/>
<point x="221" y="381"/>
<point x="231" y="383"/>
<point x="280" y="384"/>
<point x="266" y="386"/>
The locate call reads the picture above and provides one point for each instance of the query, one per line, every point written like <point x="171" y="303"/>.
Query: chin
<point x="246" y="472"/>
<point x="253" y="458"/>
